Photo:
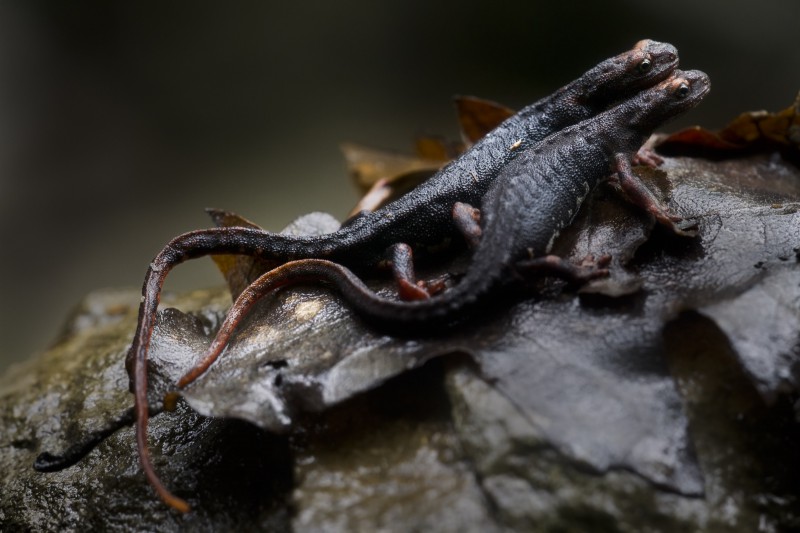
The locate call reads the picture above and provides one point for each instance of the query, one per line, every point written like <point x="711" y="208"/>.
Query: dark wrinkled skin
<point x="528" y="204"/>
<point x="422" y="217"/>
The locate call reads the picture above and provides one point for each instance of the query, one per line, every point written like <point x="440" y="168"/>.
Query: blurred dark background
<point x="121" y="121"/>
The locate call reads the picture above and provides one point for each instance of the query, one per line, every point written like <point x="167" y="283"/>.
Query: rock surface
<point x="659" y="399"/>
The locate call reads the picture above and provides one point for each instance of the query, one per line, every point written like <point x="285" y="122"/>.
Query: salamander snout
<point x="680" y="92"/>
<point x="662" y="50"/>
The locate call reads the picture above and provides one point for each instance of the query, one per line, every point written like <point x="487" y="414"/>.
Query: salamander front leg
<point x="467" y="220"/>
<point x="637" y="193"/>
<point x="552" y="265"/>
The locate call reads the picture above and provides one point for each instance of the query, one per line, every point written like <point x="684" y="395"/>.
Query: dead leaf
<point x="240" y="271"/>
<point x="432" y="148"/>
<point x="385" y="176"/>
<point x="369" y="165"/>
<point x="760" y="130"/>
<point x="478" y="117"/>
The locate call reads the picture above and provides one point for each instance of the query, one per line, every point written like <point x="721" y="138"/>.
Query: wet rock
<point x="406" y="472"/>
<point x="238" y="472"/>
<point x="660" y="399"/>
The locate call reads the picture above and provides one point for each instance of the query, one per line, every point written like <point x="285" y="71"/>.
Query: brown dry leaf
<point x="383" y="176"/>
<point x="759" y="130"/>
<point x="367" y="165"/>
<point x="239" y="271"/>
<point x="478" y="117"/>
<point x="437" y="148"/>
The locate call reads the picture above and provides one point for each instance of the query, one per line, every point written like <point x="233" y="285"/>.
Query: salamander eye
<point x="682" y="91"/>
<point x="645" y="65"/>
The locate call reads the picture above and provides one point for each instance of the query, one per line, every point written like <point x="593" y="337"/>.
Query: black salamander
<point x="532" y="199"/>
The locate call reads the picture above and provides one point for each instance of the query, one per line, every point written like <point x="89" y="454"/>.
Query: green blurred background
<point x="121" y="121"/>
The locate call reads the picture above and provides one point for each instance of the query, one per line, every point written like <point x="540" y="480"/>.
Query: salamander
<point x="530" y="201"/>
<point x="421" y="218"/>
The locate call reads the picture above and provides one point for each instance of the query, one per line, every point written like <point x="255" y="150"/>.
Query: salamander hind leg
<point x="590" y="268"/>
<point x="467" y="220"/>
<point x="402" y="264"/>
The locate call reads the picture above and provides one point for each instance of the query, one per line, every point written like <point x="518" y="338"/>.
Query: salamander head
<point x="616" y="78"/>
<point x="680" y="92"/>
